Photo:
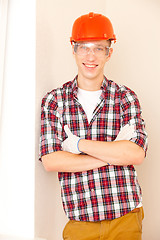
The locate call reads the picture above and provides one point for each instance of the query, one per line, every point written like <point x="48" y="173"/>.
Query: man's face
<point x="91" y="58"/>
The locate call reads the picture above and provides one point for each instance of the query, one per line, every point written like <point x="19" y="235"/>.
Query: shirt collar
<point x="103" y="86"/>
<point x="75" y="86"/>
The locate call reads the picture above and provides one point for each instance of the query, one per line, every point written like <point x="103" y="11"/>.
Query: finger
<point x="127" y="129"/>
<point x="64" y="145"/>
<point x="67" y="130"/>
<point x="125" y="126"/>
<point x="131" y="134"/>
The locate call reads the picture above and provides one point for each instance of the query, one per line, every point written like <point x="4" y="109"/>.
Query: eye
<point x="99" y="49"/>
<point x="83" y="47"/>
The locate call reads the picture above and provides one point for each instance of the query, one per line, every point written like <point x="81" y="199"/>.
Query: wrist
<point x="80" y="145"/>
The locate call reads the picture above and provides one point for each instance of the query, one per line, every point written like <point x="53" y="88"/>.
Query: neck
<point x="90" y="84"/>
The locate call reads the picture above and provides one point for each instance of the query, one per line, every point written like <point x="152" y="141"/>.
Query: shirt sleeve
<point x="132" y="114"/>
<point x="51" y="129"/>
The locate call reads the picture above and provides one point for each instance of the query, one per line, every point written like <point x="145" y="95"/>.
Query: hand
<point x="126" y="133"/>
<point x="71" y="143"/>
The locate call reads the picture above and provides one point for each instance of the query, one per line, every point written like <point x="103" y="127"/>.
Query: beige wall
<point x="135" y="63"/>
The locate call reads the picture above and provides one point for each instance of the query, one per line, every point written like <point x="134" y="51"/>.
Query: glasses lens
<point x="83" y="49"/>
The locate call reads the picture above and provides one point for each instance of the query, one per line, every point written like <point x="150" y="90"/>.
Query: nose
<point x="91" y="54"/>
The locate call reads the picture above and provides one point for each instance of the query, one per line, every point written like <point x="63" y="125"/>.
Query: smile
<point x="90" y="65"/>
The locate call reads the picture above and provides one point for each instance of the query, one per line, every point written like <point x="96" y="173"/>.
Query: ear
<point x="110" y="54"/>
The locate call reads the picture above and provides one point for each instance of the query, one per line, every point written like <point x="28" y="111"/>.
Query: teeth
<point x="90" y="66"/>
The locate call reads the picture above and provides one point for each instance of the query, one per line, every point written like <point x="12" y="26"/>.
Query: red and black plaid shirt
<point x="107" y="192"/>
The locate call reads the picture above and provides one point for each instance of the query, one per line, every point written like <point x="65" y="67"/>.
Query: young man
<point x="92" y="134"/>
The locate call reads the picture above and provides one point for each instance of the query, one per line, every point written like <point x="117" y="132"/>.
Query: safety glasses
<point x="83" y="49"/>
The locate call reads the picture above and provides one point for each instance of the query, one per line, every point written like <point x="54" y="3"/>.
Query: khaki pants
<point x="128" y="227"/>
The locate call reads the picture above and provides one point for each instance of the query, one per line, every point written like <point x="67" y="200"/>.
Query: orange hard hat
<point x="92" y="26"/>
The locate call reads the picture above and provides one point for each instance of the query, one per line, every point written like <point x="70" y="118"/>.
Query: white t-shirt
<point x="88" y="100"/>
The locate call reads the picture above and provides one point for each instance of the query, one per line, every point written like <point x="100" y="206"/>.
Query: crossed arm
<point x="62" y="161"/>
<point x="98" y="154"/>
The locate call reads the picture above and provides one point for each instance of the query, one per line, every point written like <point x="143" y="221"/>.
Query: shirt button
<point x="92" y="190"/>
